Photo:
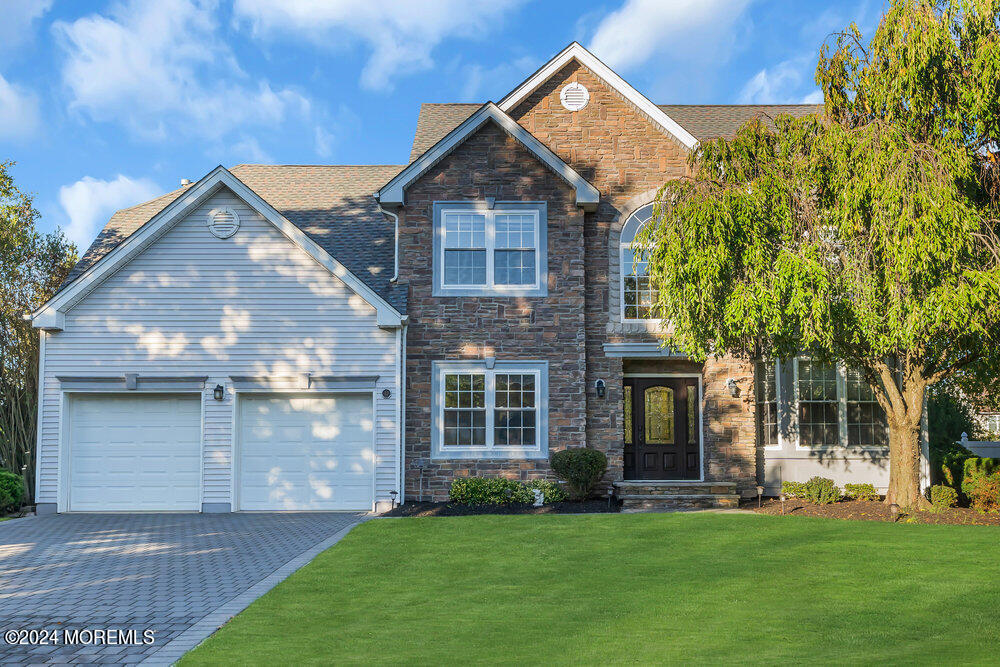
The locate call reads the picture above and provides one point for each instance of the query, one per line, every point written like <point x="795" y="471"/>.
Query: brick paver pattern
<point x="159" y="572"/>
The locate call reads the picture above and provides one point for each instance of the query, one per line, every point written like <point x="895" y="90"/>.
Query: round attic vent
<point x="574" y="96"/>
<point x="223" y="222"/>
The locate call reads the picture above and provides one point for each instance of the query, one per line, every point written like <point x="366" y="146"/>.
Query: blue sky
<point x="106" y="104"/>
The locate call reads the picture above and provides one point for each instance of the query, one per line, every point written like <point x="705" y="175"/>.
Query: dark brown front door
<point x="661" y="423"/>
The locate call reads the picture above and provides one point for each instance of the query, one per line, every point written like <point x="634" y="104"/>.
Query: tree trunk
<point x="904" y="464"/>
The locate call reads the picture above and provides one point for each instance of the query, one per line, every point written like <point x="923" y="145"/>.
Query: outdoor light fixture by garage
<point x="386" y="393"/>
<point x="219" y="392"/>
<point x="601" y="387"/>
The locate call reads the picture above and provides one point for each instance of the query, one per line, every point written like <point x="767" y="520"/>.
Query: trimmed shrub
<point x="489" y="491"/>
<point x="793" y="489"/>
<point x="986" y="493"/>
<point x="975" y="469"/>
<point x="943" y="497"/>
<point x="11" y="491"/>
<point x="581" y="468"/>
<point x="551" y="491"/>
<point x="822" y="491"/>
<point x="865" y="492"/>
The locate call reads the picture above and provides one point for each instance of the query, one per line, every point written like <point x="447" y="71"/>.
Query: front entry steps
<point x="647" y="495"/>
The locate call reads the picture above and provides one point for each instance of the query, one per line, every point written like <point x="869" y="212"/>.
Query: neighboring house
<point x="332" y="337"/>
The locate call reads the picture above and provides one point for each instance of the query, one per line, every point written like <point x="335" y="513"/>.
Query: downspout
<point x="395" y="252"/>
<point x="402" y="416"/>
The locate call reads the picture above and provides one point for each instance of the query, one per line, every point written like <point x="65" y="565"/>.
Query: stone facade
<point x="627" y="157"/>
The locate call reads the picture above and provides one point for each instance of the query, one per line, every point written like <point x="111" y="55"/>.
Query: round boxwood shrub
<point x="11" y="491"/>
<point x="943" y="497"/>
<point x="822" y="491"/>
<point x="581" y="468"/>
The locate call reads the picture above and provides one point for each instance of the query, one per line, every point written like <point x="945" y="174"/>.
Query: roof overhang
<point x="394" y="192"/>
<point x="576" y="52"/>
<point x="52" y="315"/>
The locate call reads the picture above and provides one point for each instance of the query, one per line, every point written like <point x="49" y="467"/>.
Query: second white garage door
<point x="306" y="452"/>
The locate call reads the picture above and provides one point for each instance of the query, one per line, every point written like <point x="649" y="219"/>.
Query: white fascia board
<point x="51" y="315"/>
<point x="394" y="192"/>
<point x="606" y="74"/>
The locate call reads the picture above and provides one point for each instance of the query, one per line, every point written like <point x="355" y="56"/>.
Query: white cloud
<point x="400" y="35"/>
<point x="788" y="82"/>
<point x="688" y="30"/>
<point x="89" y="202"/>
<point x="18" y="15"/>
<point x="161" y="68"/>
<point x="482" y="83"/>
<point x="249" y="150"/>
<point x="19" y="117"/>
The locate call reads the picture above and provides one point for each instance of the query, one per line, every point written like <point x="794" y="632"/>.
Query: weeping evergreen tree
<point x="867" y="235"/>
<point x="32" y="265"/>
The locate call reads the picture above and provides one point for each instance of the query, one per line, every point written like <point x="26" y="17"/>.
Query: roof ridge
<point x="741" y="106"/>
<point x="254" y="164"/>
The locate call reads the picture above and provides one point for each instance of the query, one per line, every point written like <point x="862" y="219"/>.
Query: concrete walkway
<point x="179" y="576"/>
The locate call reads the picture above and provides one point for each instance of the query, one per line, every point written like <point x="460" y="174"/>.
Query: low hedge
<point x="866" y="492"/>
<point x="11" y="491"/>
<point x="822" y="491"/>
<point x="985" y="492"/>
<point x="501" y="491"/>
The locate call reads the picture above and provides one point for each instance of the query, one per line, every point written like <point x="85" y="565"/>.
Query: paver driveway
<point x="159" y="572"/>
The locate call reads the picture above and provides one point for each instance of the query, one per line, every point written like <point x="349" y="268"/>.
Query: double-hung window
<point x="837" y="408"/>
<point x="496" y="410"/>
<point x="481" y="250"/>
<point x="766" y="394"/>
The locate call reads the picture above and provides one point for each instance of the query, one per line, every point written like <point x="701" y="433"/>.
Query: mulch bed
<point x="449" y="509"/>
<point x="872" y="511"/>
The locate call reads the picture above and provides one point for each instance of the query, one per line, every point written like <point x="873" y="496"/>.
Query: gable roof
<point x="394" y="192"/>
<point x="704" y="121"/>
<point x="332" y="205"/>
<point x="576" y="52"/>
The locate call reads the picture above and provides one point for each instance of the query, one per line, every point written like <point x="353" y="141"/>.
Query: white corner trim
<point x="50" y="316"/>
<point x="394" y="192"/>
<point x="606" y="74"/>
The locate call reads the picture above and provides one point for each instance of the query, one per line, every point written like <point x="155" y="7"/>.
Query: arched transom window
<point x="637" y="294"/>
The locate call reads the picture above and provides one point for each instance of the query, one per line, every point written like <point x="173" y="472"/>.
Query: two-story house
<point x="334" y="337"/>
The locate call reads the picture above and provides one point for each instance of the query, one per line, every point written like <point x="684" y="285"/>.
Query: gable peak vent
<point x="574" y="96"/>
<point x="223" y="222"/>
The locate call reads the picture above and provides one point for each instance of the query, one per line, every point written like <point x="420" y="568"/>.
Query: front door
<point x="661" y="425"/>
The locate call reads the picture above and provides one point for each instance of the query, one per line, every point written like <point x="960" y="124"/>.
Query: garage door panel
<point x="305" y="453"/>
<point x="135" y="453"/>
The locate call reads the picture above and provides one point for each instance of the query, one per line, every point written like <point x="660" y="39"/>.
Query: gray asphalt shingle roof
<point x="333" y="205"/>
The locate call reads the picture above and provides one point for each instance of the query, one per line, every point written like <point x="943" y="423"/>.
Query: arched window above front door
<point x="637" y="294"/>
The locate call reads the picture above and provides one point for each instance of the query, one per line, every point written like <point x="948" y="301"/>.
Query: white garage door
<point x="134" y="452"/>
<point x="306" y="453"/>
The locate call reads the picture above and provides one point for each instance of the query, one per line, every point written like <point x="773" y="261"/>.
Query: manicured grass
<point x="647" y="588"/>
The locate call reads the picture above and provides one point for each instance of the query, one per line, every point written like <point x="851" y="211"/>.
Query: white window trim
<point x="777" y="404"/>
<point x="841" y="413"/>
<point x="539" y="369"/>
<point x="490" y="285"/>
<point x="490" y="208"/>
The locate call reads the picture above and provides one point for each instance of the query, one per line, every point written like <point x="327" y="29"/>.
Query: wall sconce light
<point x="219" y="392"/>
<point x="734" y="389"/>
<point x="601" y="387"/>
<point x="386" y="393"/>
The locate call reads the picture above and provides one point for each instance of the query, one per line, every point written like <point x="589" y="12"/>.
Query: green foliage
<point x="32" y="266"/>
<point x="974" y="470"/>
<point x="865" y="492"/>
<point x="948" y="417"/>
<point x="11" y="491"/>
<point x="551" y="491"/>
<point x="867" y="236"/>
<point x="943" y="497"/>
<point x="793" y="489"/>
<point x="986" y="493"/>
<point x="489" y="491"/>
<point x="581" y="468"/>
<point x="822" y="491"/>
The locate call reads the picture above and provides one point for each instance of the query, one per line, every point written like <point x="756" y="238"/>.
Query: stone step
<point x="704" y="488"/>
<point x="641" y="502"/>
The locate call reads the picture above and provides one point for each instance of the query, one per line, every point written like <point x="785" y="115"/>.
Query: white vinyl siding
<point x="194" y="305"/>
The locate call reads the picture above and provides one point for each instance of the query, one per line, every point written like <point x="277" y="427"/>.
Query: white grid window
<point x="490" y="249"/>
<point x="638" y="294"/>
<point x="766" y="390"/>
<point x="496" y="411"/>
<point x="836" y="407"/>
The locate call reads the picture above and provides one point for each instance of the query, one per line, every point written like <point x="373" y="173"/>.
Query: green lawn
<point x="638" y="588"/>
